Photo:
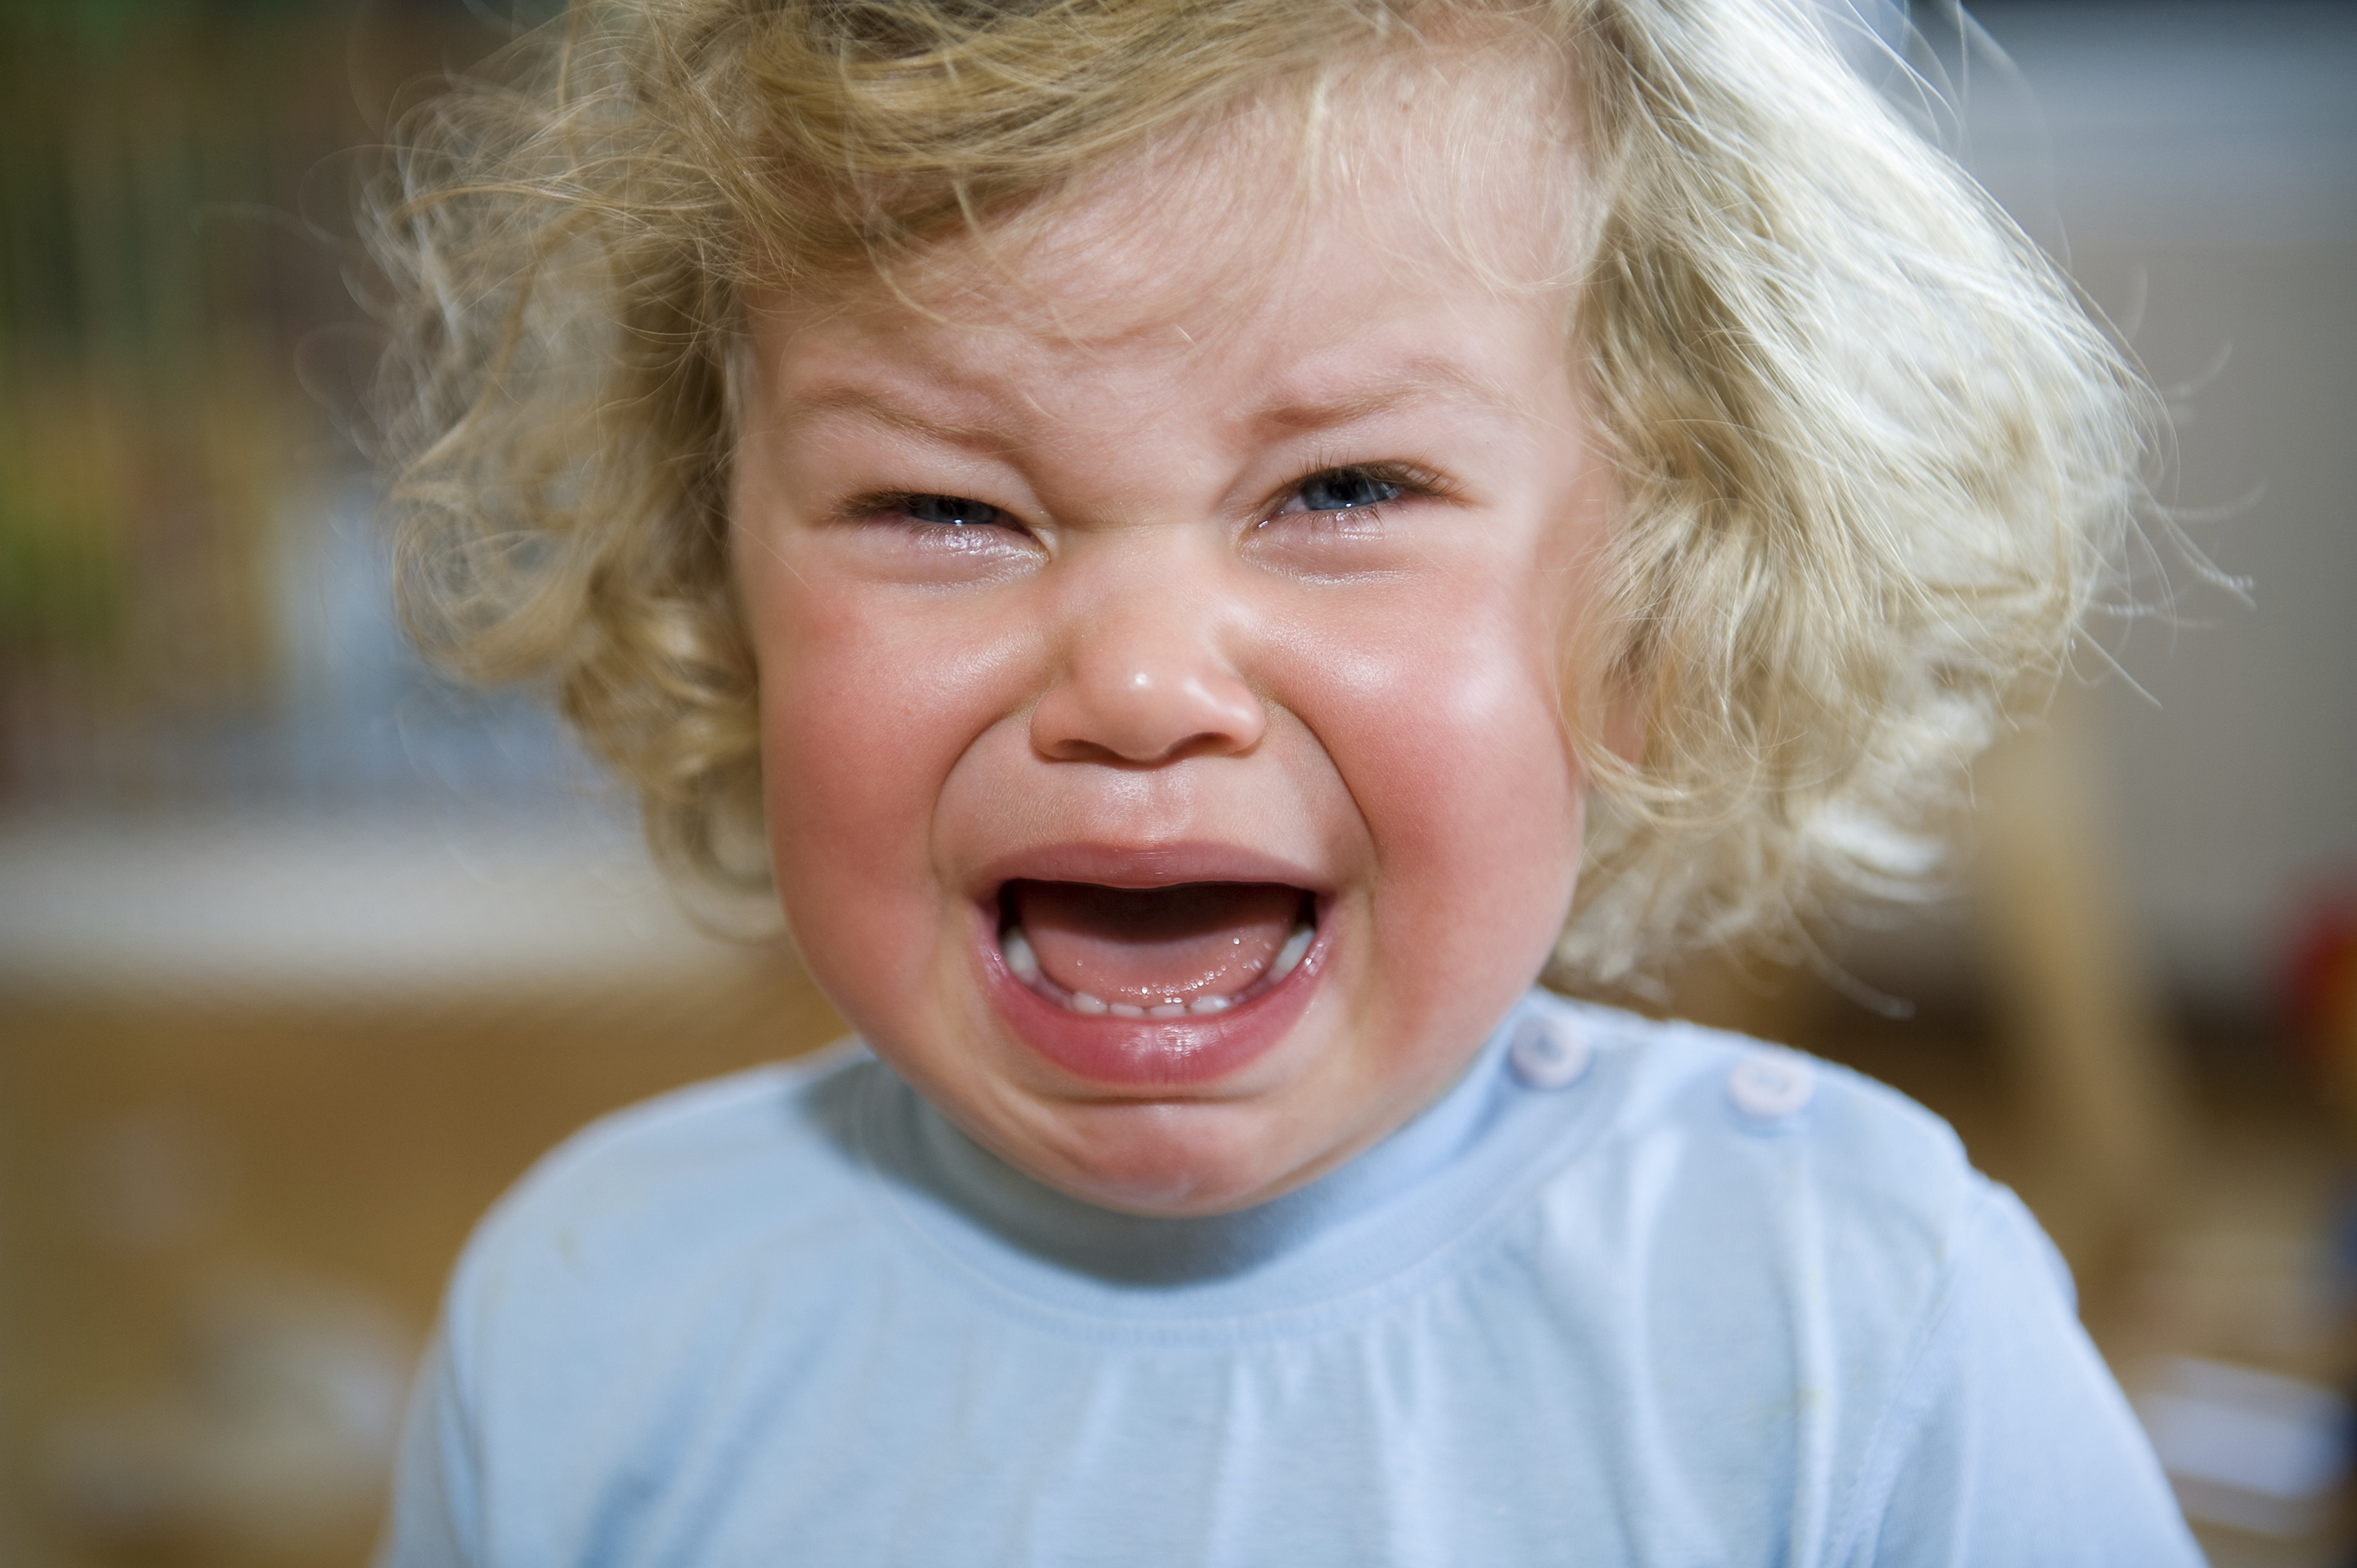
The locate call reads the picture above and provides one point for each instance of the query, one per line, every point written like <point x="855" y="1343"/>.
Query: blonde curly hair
<point x="1872" y="455"/>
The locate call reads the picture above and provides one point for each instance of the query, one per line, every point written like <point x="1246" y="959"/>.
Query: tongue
<point x="1156" y="945"/>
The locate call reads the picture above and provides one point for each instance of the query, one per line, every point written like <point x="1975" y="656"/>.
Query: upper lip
<point x="1165" y="865"/>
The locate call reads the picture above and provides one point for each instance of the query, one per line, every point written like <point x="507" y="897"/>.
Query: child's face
<point x="1232" y="547"/>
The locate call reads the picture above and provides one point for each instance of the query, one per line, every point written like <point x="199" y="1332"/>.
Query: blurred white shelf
<point x="342" y="903"/>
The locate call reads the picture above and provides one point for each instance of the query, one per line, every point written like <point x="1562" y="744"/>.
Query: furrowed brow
<point x="858" y="402"/>
<point x="1419" y="380"/>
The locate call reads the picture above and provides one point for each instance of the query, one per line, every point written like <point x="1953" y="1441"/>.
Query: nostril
<point x="1141" y="714"/>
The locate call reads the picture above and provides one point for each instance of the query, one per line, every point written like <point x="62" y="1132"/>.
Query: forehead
<point x="1436" y="170"/>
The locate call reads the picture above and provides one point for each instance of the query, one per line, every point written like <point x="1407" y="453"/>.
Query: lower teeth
<point x="1021" y="959"/>
<point x="1024" y="964"/>
<point x="1289" y="954"/>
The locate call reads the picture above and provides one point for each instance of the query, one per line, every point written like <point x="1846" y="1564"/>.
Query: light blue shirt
<point x="1630" y="1293"/>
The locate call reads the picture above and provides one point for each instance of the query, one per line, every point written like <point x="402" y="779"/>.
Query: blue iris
<point x="1347" y="490"/>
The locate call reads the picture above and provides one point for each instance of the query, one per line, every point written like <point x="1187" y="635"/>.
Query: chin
<point x="1169" y="1161"/>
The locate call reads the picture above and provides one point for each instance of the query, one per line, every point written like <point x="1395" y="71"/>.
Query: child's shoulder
<point x="659" y="1190"/>
<point x="1732" y="1136"/>
<point x="1750" y="1094"/>
<point x="718" y="1129"/>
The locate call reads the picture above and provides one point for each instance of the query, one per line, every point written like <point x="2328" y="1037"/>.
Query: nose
<point x="1145" y="676"/>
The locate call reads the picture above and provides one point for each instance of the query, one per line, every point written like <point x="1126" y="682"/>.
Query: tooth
<point x="1125" y="1010"/>
<point x="1290" y="953"/>
<point x="1167" y="1010"/>
<point x="1084" y="1002"/>
<point x="1021" y="961"/>
<point x="1210" y="1004"/>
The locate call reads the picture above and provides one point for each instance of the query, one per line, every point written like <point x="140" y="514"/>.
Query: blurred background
<point x="305" y="953"/>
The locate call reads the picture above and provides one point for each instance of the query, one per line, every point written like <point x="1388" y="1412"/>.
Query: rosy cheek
<point x="866" y="708"/>
<point x="838" y="755"/>
<point x="1446" y="732"/>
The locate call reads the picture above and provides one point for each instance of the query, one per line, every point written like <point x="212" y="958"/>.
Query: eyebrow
<point x="863" y="403"/>
<point x="1430" y="377"/>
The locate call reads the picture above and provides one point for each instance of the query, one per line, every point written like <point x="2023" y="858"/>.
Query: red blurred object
<point x="2319" y="983"/>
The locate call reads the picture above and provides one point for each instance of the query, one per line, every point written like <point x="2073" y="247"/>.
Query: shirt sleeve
<point x="433" y="1519"/>
<point x="2009" y="1442"/>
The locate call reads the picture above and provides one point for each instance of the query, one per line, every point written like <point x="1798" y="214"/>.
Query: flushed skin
<point x="1871" y="454"/>
<point x="1144" y="653"/>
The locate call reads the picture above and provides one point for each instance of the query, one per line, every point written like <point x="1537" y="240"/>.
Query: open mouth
<point x="1193" y="950"/>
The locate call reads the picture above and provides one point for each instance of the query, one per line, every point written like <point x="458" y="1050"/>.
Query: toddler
<point x="1200" y="546"/>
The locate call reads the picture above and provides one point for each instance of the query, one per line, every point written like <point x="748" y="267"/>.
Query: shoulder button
<point x="1545" y="1053"/>
<point x="1771" y="1086"/>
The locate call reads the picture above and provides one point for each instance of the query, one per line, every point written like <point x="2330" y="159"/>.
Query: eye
<point x="1345" y="490"/>
<point x="950" y="512"/>
<point x="1356" y="489"/>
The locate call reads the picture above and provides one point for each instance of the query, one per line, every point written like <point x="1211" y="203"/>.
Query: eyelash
<point x="1404" y="480"/>
<point x="904" y="507"/>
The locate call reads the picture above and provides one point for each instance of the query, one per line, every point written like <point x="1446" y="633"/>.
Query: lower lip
<point x="1151" y="1053"/>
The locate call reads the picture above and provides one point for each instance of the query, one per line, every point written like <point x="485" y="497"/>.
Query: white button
<point x="1547" y="1054"/>
<point x="1770" y="1085"/>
